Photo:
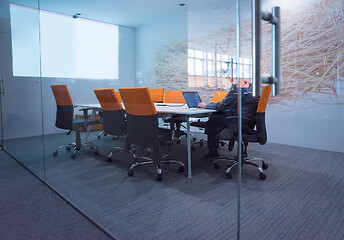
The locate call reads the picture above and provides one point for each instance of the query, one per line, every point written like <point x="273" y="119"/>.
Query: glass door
<point x="21" y="84"/>
<point x="3" y="34"/>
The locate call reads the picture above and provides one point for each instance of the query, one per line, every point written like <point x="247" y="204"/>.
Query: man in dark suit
<point x="226" y="108"/>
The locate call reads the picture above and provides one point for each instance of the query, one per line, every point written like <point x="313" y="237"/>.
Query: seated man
<point x="228" y="107"/>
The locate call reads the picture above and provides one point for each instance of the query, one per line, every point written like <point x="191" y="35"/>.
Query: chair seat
<point x="176" y="119"/>
<point x="229" y="134"/>
<point x="80" y="122"/>
<point x="198" y="124"/>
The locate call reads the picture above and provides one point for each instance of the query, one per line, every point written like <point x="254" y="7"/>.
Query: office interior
<point x="180" y="46"/>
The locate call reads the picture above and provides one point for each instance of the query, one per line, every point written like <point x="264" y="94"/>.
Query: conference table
<point x="163" y="110"/>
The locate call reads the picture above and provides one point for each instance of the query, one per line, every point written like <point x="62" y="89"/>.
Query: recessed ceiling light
<point x="182" y="4"/>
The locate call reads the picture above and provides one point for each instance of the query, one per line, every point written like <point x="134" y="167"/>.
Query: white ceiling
<point x="134" y="13"/>
<point x="131" y="13"/>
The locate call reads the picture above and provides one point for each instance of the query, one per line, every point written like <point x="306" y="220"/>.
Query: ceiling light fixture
<point x="182" y="4"/>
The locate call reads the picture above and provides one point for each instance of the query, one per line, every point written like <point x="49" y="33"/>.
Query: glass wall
<point x="20" y="69"/>
<point x="46" y="44"/>
<point x="291" y="202"/>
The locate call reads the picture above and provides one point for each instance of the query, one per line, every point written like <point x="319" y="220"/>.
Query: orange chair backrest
<point x="157" y="94"/>
<point x="61" y="94"/>
<point x="174" y="97"/>
<point x="137" y="101"/>
<point x="263" y="101"/>
<point x="219" y="96"/>
<point x="109" y="99"/>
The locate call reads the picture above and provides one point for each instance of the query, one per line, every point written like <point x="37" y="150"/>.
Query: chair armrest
<point x="89" y="108"/>
<point x="232" y="117"/>
<point x="85" y="111"/>
<point x="168" y="118"/>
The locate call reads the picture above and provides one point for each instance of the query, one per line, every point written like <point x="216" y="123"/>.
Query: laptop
<point x="192" y="99"/>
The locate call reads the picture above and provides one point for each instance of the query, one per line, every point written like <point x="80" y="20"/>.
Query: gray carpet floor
<point x="30" y="210"/>
<point x="302" y="197"/>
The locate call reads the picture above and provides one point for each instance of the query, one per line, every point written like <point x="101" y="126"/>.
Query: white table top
<point x="166" y="108"/>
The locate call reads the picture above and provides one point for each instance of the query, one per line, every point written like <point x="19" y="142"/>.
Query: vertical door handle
<point x="274" y="19"/>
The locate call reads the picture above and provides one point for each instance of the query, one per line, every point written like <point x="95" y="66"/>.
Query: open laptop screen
<point x="192" y="99"/>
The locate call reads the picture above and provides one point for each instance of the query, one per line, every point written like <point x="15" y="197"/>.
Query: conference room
<point x="99" y="100"/>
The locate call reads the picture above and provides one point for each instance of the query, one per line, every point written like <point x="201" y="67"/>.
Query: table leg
<point x="94" y="111"/>
<point x="189" y="147"/>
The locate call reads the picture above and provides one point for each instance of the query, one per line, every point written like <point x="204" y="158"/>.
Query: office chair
<point x="143" y="130"/>
<point x="218" y="97"/>
<point x="258" y="135"/>
<point x="157" y="95"/>
<point x="104" y="132"/>
<point x="113" y="115"/>
<point x="174" y="97"/>
<point x="65" y="120"/>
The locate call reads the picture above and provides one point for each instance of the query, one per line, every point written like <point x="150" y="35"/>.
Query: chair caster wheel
<point x="159" y="177"/>
<point x="96" y="152"/>
<point x="178" y="141"/>
<point x="131" y="172"/>
<point x="265" y="166"/>
<point x="216" y="166"/>
<point x="194" y="139"/>
<point x="229" y="176"/>
<point x="181" y="169"/>
<point x="201" y="144"/>
<point x="99" y="137"/>
<point x="262" y="176"/>
<point x="108" y="159"/>
<point x="222" y="144"/>
<point x="55" y="154"/>
<point x="73" y="156"/>
<point x="68" y="149"/>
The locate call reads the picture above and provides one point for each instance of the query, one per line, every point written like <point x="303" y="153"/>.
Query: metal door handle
<point x="275" y="19"/>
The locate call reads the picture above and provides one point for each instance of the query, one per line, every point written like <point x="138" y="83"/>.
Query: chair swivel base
<point x="157" y="165"/>
<point x="131" y="150"/>
<point x="115" y="137"/>
<point x="75" y="148"/>
<point x="234" y="162"/>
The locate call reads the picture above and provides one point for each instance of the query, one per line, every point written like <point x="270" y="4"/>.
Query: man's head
<point x="243" y="89"/>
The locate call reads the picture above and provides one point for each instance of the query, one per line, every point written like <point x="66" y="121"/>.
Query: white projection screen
<point x="70" y="48"/>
